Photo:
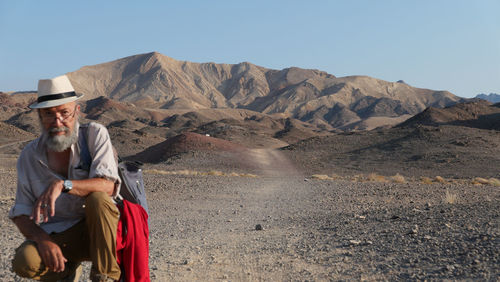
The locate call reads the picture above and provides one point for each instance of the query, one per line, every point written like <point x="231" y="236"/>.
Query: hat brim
<point x="54" y="103"/>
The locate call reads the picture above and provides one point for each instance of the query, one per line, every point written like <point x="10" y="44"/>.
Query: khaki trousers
<point x="92" y="239"/>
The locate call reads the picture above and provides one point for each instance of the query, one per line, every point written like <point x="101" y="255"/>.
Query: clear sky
<point x="449" y="45"/>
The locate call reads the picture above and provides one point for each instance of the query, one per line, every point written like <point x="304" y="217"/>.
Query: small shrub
<point x="375" y="177"/>
<point x="321" y="177"/>
<point x="450" y="198"/>
<point x="494" y="182"/>
<point x="458" y="181"/>
<point x="425" y="180"/>
<point x="439" y="179"/>
<point x="398" y="178"/>
<point x="335" y="176"/>
<point x="357" y="178"/>
<point x="155" y="171"/>
<point x="186" y="172"/>
<point x="481" y="180"/>
<point x="248" y="175"/>
<point x="216" y="173"/>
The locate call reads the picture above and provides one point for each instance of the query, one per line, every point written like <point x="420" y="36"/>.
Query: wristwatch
<point x="67" y="186"/>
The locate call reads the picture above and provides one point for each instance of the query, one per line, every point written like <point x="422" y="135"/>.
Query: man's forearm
<point x="86" y="186"/>
<point x="29" y="229"/>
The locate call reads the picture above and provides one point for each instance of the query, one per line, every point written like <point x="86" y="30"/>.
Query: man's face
<point x="58" y="124"/>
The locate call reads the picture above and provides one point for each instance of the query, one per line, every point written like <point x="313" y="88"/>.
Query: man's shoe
<point x="74" y="276"/>
<point x="100" y="278"/>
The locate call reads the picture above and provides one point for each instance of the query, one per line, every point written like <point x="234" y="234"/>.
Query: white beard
<point x="59" y="143"/>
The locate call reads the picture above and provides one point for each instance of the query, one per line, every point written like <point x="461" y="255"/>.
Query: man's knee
<point x="27" y="262"/>
<point x="96" y="199"/>
<point x="98" y="203"/>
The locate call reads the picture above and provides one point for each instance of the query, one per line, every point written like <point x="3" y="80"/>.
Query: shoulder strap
<point x="85" y="158"/>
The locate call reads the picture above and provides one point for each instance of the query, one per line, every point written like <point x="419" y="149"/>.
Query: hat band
<point x="56" y="96"/>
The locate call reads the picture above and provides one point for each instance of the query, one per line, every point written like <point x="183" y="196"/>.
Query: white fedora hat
<point x="55" y="92"/>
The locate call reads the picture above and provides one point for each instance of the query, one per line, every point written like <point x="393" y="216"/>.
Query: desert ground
<point x="236" y="195"/>
<point x="258" y="216"/>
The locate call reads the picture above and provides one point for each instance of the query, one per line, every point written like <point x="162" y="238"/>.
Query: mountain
<point x="492" y="97"/>
<point x="154" y="81"/>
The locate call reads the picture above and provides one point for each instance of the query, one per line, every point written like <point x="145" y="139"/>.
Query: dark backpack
<point x="132" y="188"/>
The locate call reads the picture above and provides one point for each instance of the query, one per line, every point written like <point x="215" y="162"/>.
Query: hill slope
<point x="478" y="114"/>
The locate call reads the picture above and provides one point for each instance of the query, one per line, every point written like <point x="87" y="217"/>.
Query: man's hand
<point x="49" y="251"/>
<point x="51" y="255"/>
<point x="45" y="205"/>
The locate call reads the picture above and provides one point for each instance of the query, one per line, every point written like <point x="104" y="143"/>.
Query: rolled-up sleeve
<point x="104" y="163"/>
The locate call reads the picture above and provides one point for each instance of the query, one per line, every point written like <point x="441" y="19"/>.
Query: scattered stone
<point x="258" y="227"/>
<point x="354" y="242"/>
<point x="187" y="262"/>
<point x="414" y="230"/>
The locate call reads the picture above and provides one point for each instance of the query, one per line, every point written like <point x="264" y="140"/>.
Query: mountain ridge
<point x="153" y="80"/>
<point x="492" y="97"/>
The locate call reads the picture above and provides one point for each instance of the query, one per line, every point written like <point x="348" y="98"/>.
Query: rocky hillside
<point x="156" y="81"/>
<point x="477" y="114"/>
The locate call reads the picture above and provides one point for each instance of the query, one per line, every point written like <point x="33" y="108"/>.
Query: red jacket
<point x="132" y="242"/>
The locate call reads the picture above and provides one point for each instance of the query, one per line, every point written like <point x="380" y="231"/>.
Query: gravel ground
<point x="204" y="228"/>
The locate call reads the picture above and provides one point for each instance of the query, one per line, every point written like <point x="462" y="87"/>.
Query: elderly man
<point x="64" y="210"/>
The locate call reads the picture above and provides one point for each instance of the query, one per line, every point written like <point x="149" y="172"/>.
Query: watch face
<point x="68" y="185"/>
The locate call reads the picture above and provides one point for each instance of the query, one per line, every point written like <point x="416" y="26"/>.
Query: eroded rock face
<point x="156" y="81"/>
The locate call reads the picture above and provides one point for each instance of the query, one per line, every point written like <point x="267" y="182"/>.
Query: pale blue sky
<point x="441" y="44"/>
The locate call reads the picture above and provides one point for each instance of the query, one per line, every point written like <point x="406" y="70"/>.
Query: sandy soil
<point x="203" y="228"/>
